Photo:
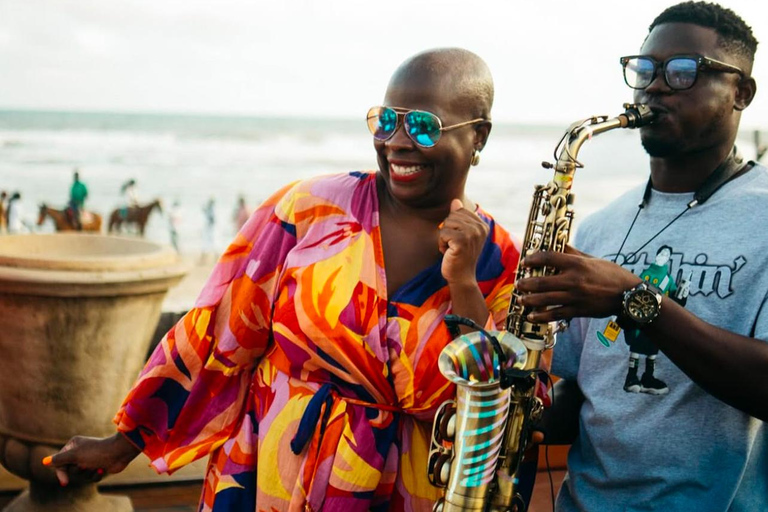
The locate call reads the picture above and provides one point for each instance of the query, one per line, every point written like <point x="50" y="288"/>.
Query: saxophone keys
<point x="444" y="424"/>
<point x="439" y="468"/>
<point x="447" y="426"/>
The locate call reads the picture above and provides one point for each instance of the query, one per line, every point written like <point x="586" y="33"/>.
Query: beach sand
<point x="182" y="296"/>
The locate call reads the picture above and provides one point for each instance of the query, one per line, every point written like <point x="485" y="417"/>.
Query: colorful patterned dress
<point x="294" y="333"/>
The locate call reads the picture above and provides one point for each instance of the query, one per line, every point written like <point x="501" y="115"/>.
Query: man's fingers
<point x="576" y="252"/>
<point x="548" y="259"/>
<point x="554" y="298"/>
<point x="553" y="314"/>
<point x="456" y="204"/>
<point x="557" y="282"/>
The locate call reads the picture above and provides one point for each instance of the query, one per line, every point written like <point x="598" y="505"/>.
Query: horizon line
<point x="233" y="115"/>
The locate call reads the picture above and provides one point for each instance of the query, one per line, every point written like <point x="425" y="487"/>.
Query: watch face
<point x="642" y="306"/>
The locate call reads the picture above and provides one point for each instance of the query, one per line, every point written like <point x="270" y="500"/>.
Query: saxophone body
<point x="478" y="440"/>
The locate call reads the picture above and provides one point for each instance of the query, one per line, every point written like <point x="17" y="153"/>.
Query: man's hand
<point x="582" y="286"/>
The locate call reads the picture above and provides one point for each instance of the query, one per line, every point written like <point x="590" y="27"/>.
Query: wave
<point x="192" y="158"/>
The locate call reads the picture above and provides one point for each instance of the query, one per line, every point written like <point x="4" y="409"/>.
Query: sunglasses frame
<point x="702" y="64"/>
<point x="402" y="112"/>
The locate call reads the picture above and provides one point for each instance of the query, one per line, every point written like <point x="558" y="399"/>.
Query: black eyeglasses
<point x="680" y="71"/>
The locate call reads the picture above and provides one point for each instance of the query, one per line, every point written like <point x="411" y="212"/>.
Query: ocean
<point x="192" y="158"/>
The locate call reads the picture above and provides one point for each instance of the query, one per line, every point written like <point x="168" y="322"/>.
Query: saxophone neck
<point x="634" y="116"/>
<point x="567" y="161"/>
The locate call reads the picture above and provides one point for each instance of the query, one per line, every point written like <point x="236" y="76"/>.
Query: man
<point x="131" y="195"/>
<point x="702" y="444"/>
<point x="77" y="195"/>
<point x="3" y="211"/>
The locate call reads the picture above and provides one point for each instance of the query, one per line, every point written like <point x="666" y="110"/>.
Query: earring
<point x="475" y="157"/>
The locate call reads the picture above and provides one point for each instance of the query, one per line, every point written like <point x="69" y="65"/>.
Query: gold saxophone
<point x="478" y="440"/>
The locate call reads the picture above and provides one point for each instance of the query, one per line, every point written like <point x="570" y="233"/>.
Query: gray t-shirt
<point x="666" y="444"/>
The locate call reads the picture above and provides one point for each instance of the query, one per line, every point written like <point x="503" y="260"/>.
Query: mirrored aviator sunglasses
<point x="422" y="127"/>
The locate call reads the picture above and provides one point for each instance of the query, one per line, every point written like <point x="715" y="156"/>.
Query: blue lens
<point x="382" y="122"/>
<point x="423" y="128"/>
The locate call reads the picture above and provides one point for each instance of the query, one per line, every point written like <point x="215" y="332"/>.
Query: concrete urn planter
<point x="76" y="316"/>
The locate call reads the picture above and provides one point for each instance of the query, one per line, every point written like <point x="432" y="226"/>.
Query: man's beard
<point x="682" y="141"/>
<point x="660" y="147"/>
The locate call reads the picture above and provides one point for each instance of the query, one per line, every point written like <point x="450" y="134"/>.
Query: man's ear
<point x="482" y="131"/>
<point x="745" y="93"/>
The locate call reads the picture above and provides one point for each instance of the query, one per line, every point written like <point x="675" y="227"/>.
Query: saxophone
<point x="478" y="439"/>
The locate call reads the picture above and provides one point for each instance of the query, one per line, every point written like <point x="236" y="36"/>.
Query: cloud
<point x="553" y="60"/>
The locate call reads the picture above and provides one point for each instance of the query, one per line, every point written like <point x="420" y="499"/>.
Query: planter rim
<point x="82" y="252"/>
<point x="72" y="265"/>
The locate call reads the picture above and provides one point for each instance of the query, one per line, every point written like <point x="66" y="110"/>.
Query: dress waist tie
<point x="311" y="415"/>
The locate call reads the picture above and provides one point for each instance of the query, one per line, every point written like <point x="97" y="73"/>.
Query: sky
<point x="553" y="61"/>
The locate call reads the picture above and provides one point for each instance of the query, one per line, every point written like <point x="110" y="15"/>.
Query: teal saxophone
<point x="478" y="440"/>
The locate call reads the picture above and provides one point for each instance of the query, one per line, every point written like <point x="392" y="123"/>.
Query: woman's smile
<point x="405" y="172"/>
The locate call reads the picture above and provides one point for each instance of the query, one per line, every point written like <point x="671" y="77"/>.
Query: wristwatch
<point x="640" y="306"/>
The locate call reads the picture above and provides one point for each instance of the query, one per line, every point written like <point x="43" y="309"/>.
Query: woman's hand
<point x="89" y="459"/>
<point x="461" y="240"/>
<point x="583" y="286"/>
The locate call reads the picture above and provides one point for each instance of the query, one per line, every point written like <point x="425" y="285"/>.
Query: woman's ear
<point x="482" y="131"/>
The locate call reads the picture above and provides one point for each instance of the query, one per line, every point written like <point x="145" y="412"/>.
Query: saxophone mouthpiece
<point x="637" y="115"/>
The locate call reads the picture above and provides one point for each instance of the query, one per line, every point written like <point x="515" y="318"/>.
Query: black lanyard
<point x="732" y="167"/>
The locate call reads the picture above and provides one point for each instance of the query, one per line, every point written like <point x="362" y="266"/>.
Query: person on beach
<point x="174" y="222"/>
<point x="78" y="192"/>
<point x="208" y="247"/>
<point x="307" y="370"/>
<point x="242" y="212"/>
<point x="698" y="440"/>
<point x="15" y="215"/>
<point x="130" y="197"/>
<point x="3" y="211"/>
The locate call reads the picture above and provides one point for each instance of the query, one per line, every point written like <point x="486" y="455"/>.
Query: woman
<point x="311" y="353"/>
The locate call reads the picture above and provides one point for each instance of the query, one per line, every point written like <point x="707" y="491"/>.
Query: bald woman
<point x="307" y="370"/>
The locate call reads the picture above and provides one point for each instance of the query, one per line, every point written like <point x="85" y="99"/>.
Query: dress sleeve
<point x="191" y="395"/>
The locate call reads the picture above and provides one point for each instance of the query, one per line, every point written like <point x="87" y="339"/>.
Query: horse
<point x="63" y="220"/>
<point x="137" y="215"/>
